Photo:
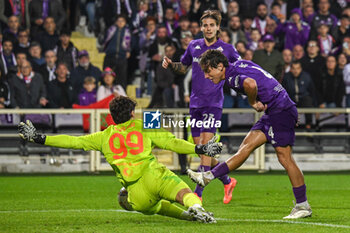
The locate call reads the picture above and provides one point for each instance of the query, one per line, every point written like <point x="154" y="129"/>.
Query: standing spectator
<point x="184" y="26"/>
<point x="111" y="8"/>
<point x="343" y="29"/>
<point x="255" y="37"/>
<point x="17" y="8"/>
<point x="35" y="56"/>
<point x="66" y="51"/>
<point x="247" y="27"/>
<point x="232" y="9"/>
<point x="269" y="58"/>
<point x="8" y="59"/>
<point x="248" y="55"/>
<point x="323" y="16"/>
<point x="11" y="32"/>
<point x="48" y="70"/>
<point x="87" y="95"/>
<point x="276" y="14"/>
<point x="298" y="52"/>
<point x="260" y="19"/>
<point x="61" y="91"/>
<point x="84" y="69"/>
<point x="237" y="33"/>
<point x="39" y="10"/>
<point x="295" y="31"/>
<point x="169" y="20"/>
<point x="308" y="14"/>
<point x="287" y="59"/>
<point x="147" y="8"/>
<point x="346" y="77"/>
<point x="117" y="49"/>
<point x="332" y="88"/>
<point x="48" y="38"/>
<point x="195" y="30"/>
<point x="325" y="40"/>
<point x="4" y="93"/>
<point x="108" y="85"/>
<point x="342" y="61"/>
<point x="300" y="89"/>
<point x="27" y="89"/>
<point x="23" y="42"/>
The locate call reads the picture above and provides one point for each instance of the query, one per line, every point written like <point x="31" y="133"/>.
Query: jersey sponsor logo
<point x="243" y="65"/>
<point x="151" y="119"/>
<point x="197" y="47"/>
<point x="220" y="49"/>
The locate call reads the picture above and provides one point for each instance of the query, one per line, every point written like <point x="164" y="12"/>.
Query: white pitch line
<point x="222" y="219"/>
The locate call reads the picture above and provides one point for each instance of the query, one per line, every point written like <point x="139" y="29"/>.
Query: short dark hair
<point x="297" y="62"/>
<point x="212" y="58"/>
<point x="121" y="108"/>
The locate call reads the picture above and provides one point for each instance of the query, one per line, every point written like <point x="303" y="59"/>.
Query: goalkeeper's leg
<point x="166" y="208"/>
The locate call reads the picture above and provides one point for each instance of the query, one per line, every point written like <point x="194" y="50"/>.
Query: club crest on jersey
<point x="197" y="47"/>
<point x="220" y="49"/>
<point x="196" y="59"/>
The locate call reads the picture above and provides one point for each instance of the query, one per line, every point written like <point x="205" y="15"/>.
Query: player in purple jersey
<point x="206" y="98"/>
<point x="275" y="126"/>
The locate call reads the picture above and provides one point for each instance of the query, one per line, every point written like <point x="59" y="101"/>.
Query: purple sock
<point x="300" y="193"/>
<point x="220" y="170"/>
<point x="199" y="189"/>
<point x="225" y="179"/>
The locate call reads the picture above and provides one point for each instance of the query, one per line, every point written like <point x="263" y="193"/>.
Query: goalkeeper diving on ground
<point x="149" y="187"/>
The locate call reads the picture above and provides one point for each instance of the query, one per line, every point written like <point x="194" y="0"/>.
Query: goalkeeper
<point x="150" y="187"/>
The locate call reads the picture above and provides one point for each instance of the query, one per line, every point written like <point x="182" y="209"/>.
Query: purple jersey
<point x="205" y="93"/>
<point x="270" y="91"/>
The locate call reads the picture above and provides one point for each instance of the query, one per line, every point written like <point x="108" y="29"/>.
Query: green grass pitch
<point x="87" y="203"/>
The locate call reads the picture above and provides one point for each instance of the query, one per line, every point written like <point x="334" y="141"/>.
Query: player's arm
<point x="89" y="142"/>
<point x="251" y="89"/>
<point x="177" y="67"/>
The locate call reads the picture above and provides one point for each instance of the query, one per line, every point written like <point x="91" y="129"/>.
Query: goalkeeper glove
<point x="27" y="131"/>
<point x="211" y="149"/>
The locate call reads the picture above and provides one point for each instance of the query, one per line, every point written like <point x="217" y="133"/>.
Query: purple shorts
<point x="211" y="114"/>
<point x="279" y="128"/>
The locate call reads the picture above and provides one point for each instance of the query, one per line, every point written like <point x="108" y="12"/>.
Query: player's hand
<point x="166" y="62"/>
<point x="27" y="131"/>
<point x="212" y="148"/>
<point x="259" y="107"/>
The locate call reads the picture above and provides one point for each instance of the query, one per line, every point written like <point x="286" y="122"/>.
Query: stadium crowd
<point x="304" y="44"/>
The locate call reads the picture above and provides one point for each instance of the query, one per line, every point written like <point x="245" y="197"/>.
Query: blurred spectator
<point x="48" y="70"/>
<point x="237" y="33"/>
<point x="11" y="32"/>
<point x="247" y="28"/>
<point x="232" y="9"/>
<point x="66" y="51"/>
<point x="117" y="49"/>
<point x="276" y="13"/>
<point x="72" y="10"/>
<point x="300" y="89"/>
<point x="295" y="31"/>
<point x="308" y="14"/>
<point x="298" y="52"/>
<point x="269" y="58"/>
<point x="255" y="39"/>
<point x="61" y="91"/>
<point x="15" y="70"/>
<point x="87" y="95"/>
<point x="35" y="56"/>
<point x="163" y="95"/>
<point x="248" y="7"/>
<point x="111" y="8"/>
<point x="147" y="8"/>
<point x="7" y="56"/>
<point x="184" y="26"/>
<point x="259" y="20"/>
<point x="345" y="46"/>
<point x="23" y="42"/>
<point x="200" y="6"/>
<point x="346" y="76"/>
<point x="83" y="70"/>
<point x="39" y="10"/>
<point x="225" y="35"/>
<point x="332" y="88"/>
<point x="48" y="38"/>
<point x="196" y="30"/>
<point x="90" y="8"/>
<point x="342" y="61"/>
<point x="323" y="16"/>
<point x="343" y="29"/>
<point x="17" y="8"/>
<point x="241" y="48"/>
<point x="27" y="88"/>
<point x="287" y="59"/>
<point x="4" y="92"/>
<point x="325" y="41"/>
<point x="185" y="9"/>
<point x="248" y="55"/>
<point x="169" y="20"/>
<point x="108" y="85"/>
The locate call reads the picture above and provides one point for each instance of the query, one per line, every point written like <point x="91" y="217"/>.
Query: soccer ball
<point x="123" y="199"/>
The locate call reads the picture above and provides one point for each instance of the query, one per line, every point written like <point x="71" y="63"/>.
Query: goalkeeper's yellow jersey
<point x="127" y="147"/>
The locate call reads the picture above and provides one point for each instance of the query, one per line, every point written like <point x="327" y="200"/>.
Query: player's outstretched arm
<point x="177" y="67"/>
<point x="28" y="132"/>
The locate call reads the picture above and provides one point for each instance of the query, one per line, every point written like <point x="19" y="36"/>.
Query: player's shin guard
<point x="199" y="189"/>
<point x="171" y="210"/>
<point x="190" y="199"/>
<point x="225" y="179"/>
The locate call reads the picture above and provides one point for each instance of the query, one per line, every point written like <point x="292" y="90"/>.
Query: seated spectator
<point x="48" y="69"/>
<point x="225" y="35"/>
<point x="61" y="91"/>
<point x="287" y="59"/>
<point x="83" y="70"/>
<point x="276" y="13"/>
<point x="15" y="70"/>
<point x="27" y="89"/>
<point x="11" y="32"/>
<point x="235" y="30"/>
<point x="298" y="52"/>
<point x="308" y="14"/>
<point x="23" y="42"/>
<point x="49" y="37"/>
<point x="296" y="32"/>
<point x="260" y="20"/>
<point x="241" y="47"/>
<point x="8" y="59"/>
<point x="300" y="89"/>
<point x="17" y="8"/>
<point x="332" y="88"/>
<point x="169" y="20"/>
<point x="87" y="96"/>
<point x="248" y="55"/>
<point x="269" y="58"/>
<point x="108" y="85"/>
<point x="247" y="28"/>
<point x="35" y="56"/>
<point x="66" y="51"/>
<point x="325" y="41"/>
<point x="255" y="37"/>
